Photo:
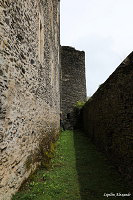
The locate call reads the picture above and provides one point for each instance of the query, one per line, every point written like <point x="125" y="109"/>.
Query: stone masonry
<point x="108" y="117"/>
<point x="32" y="84"/>
<point x="29" y="87"/>
<point x="73" y="82"/>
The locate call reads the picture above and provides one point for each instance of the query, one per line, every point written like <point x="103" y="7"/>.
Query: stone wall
<point x="29" y="87"/>
<point x="73" y="82"/>
<point x="108" y="117"/>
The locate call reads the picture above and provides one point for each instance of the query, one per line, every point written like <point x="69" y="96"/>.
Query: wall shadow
<point x="96" y="176"/>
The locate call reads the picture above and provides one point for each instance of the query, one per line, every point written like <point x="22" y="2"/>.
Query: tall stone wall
<point x="29" y="87"/>
<point x="73" y="82"/>
<point x="108" y="117"/>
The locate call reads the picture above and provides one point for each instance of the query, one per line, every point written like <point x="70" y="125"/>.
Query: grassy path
<point x="78" y="172"/>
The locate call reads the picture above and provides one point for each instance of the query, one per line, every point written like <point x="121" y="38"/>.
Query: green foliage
<point x="79" y="104"/>
<point x="48" y="155"/>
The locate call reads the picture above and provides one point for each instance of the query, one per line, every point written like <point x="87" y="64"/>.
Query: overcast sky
<point x="103" y="29"/>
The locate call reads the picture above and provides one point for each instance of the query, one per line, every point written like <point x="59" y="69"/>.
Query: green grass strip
<point x="78" y="172"/>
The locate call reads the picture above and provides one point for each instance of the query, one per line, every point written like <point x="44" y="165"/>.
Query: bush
<point x="79" y="104"/>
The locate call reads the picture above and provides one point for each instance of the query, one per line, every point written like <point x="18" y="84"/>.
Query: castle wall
<point x="73" y="82"/>
<point x="108" y="117"/>
<point x="29" y="87"/>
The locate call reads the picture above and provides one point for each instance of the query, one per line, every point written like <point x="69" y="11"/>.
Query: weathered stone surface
<point x="29" y="87"/>
<point x="73" y="82"/>
<point x="108" y="117"/>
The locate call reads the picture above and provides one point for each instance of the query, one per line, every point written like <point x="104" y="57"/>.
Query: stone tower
<point x="73" y="82"/>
